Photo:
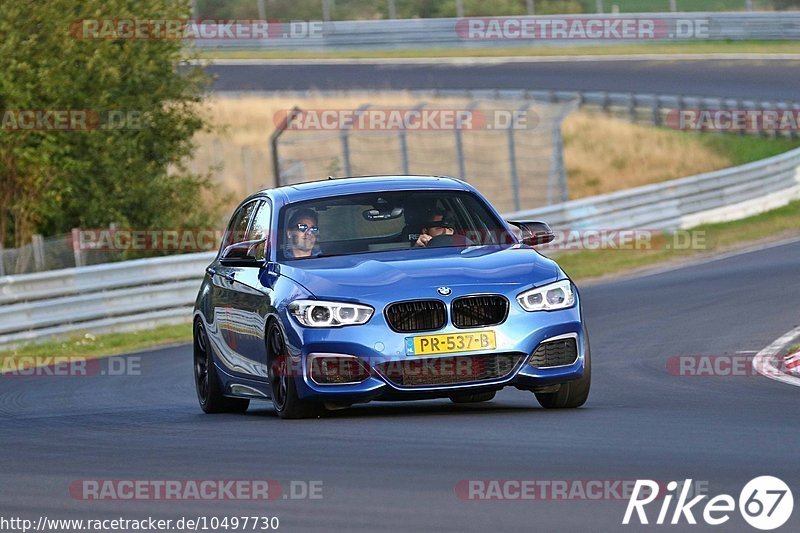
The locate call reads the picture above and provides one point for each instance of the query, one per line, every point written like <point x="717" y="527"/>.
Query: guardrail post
<point x="37" y="244"/>
<point x="2" y="261"/>
<point x="276" y="162"/>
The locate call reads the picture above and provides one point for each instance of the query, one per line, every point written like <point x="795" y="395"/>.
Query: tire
<point x="284" y="391"/>
<point x="571" y="394"/>
<point x="473" y="398"/>
<point x="206" y="380"/>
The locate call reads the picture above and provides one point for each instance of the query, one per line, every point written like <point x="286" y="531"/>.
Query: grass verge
<point x="716" y="238"/>
<point x="92" y="346"/>
<point x="693" y="48"/>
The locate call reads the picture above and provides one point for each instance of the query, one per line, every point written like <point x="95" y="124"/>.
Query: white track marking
<point x="766" y="362"/>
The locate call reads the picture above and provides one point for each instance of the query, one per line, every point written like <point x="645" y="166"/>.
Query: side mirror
<point x="534" y="232"/>
<point x="245" y="254"/>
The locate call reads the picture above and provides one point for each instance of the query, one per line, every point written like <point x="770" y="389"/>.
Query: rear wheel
<point x="206" y="380"/>
<point x="473" y="398"/>
<point x="571" y="394"/>
<point x="281" y="379"/>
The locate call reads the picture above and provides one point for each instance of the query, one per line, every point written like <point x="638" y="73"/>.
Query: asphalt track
<point x="396" y="466"/>
<point x="731" y="78"/>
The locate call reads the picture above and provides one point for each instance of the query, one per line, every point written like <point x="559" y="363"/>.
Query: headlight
<point x="558" y="295"/>
<point x="319" y="314"/>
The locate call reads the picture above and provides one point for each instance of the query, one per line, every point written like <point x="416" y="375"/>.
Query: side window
<point x="260" y="228"/>
<point x="237" y="229"/>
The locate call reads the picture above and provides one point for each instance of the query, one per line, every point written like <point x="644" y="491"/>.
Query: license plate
<point x="451" y="343"/>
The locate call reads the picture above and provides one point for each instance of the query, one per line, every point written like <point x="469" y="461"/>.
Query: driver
<point x="437" y="231"/>
<point x="301" y="234"/>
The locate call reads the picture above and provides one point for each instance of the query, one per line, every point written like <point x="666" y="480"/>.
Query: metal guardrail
<point x="148" y="292"/>
<point x="678" y="204"/>
<point x="450" y="32"/>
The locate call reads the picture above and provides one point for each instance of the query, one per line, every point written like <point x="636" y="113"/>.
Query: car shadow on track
<point x="421" y="408"/>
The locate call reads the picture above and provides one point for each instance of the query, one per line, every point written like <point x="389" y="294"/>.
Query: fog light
<point x="338" y="369"/>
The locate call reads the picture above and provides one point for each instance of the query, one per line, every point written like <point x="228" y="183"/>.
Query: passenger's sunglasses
<point x="305" y="227"/>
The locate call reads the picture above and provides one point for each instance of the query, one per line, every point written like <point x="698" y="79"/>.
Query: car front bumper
<point x="375" y="344"/>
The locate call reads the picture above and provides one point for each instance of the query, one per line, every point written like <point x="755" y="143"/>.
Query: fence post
<point x="404" y="143"/>
<point x="326" y="10"/>
<point x="218" y="158"/>
<point x="247" y="169"/>
<point x="276" y="162"/>
<point x="599" y="6"/>
<point x="392" y="10"/>
<point x="2" y="261"/>
<point x="512" y="155"/>
<point x="632" y="108"/>
<point x="748" y="5"/>
<point x="37" y="244"/>
<point x="262" y="9"/>
<point x="673" y="5"/>
<point x="462" y="165"/>
<point x="656" y="110"/>
<point x="558" y="172"/>
<point x="345" y="140"/>
<point x="460" y="8"/>
<point x="76" y="247"/>
<point x="531" y="7"/>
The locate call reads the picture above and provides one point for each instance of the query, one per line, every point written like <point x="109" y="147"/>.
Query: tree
<point x="141" y="97"/>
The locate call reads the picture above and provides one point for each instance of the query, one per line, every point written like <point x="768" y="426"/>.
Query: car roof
<point x="364" y="184"/>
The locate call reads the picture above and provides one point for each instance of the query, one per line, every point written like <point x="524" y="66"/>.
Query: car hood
<point x="411" y="274"/>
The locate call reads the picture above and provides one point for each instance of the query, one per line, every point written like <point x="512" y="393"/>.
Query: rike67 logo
<point x="765" y="503"/>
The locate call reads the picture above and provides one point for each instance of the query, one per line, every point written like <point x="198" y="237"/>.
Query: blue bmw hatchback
<point x="344" y="291"/>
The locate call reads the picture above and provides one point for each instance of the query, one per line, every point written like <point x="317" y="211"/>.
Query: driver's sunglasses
<point x="305" y="227"/>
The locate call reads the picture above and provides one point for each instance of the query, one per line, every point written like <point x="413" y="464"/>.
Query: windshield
<point x="377" y="222"/>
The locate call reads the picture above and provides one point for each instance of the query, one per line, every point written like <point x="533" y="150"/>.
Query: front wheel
<point x="571" y="394"/>
<point x="281" y="379"/>
<point x="209" y="391"/>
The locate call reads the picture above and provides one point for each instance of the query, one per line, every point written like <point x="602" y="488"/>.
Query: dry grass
<point x="602" y="154"/>
<point x="606" y="154"/>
